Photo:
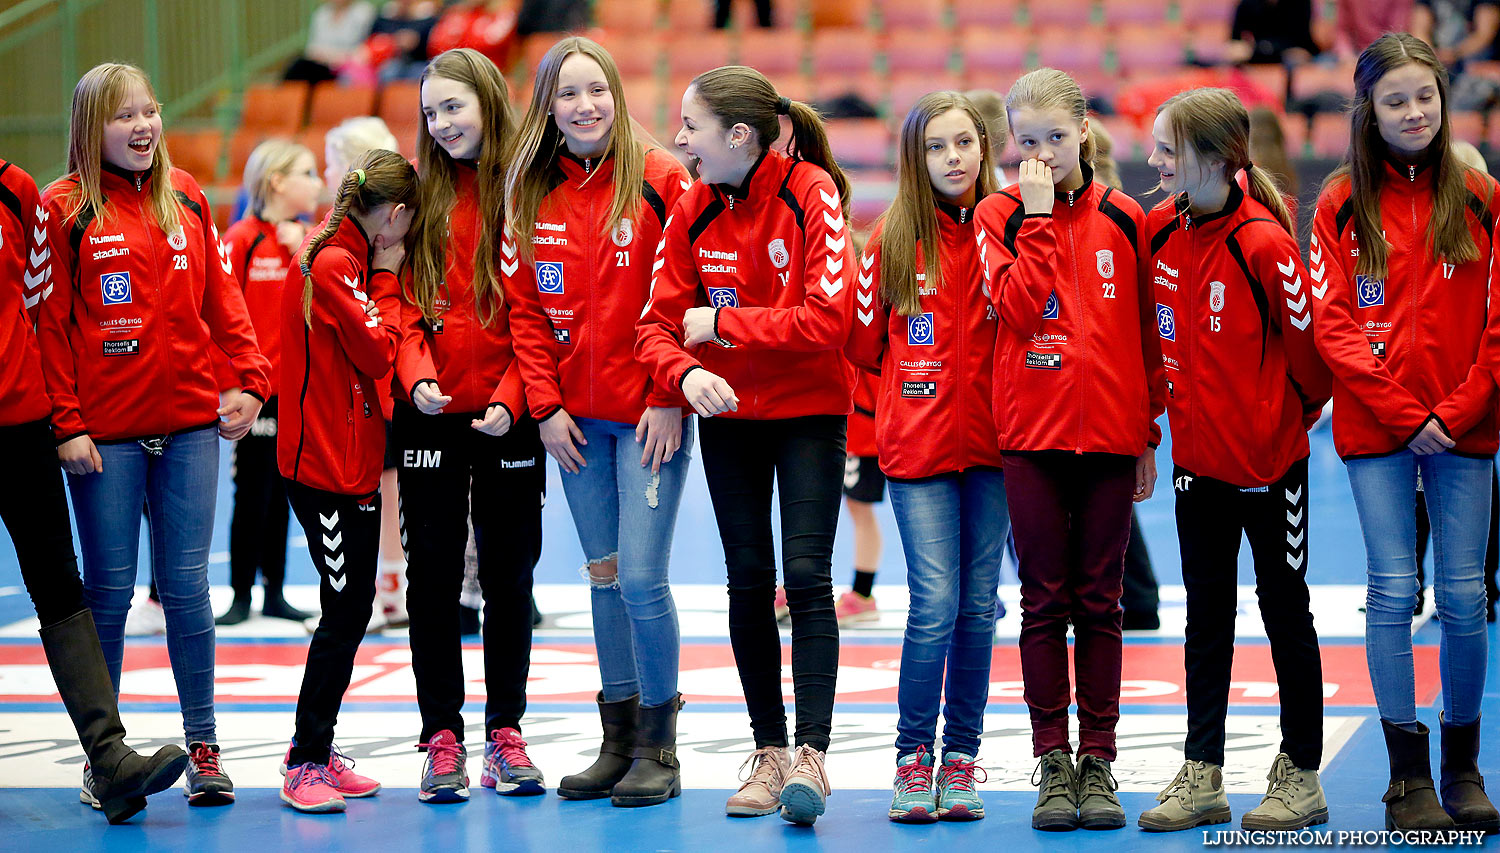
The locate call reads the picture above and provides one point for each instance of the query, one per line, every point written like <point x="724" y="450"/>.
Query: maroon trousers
<point x="1070" y="514"/>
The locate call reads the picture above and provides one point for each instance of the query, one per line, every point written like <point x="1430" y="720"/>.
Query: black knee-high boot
<point x="123" y="778"/>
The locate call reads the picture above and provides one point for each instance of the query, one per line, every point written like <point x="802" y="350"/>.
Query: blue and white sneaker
<point x="206" y="782"/>
<point x="445" y="773"/>
<point x="86" y="793"/>
<point x="957" y="798"/>
<point x="507" y="767"/>
<point x="912" y="800"/>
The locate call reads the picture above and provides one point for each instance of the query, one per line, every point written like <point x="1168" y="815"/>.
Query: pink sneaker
<point x="341" y="770"/>
<point x="853" y="608"/>
<point x="309" y="788"/>
<point x="783" y="611"/>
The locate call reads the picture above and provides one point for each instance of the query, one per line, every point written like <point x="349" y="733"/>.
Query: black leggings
<point x="441" y="458"/>
<point x="35" y="513"/>
<point x="258" y="523"/>
<point x="805" y="459"/>
<point x="343" y="538"/>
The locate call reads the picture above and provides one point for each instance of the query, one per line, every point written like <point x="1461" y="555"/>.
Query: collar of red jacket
<point x="1088" y="182"/>
<point x="958" y="214"/>
<point x="1232" y="204"/>
<point x="757" y="180"/>
<point x="1405" y="174"/>
<point x="580" y="169"/>
<point x="350" y="236"/>
<point x="112" y="177"/>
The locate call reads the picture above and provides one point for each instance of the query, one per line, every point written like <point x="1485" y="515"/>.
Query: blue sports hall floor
<point x="259" y="669"/>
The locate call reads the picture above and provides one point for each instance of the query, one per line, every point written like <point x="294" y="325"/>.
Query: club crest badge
<point x="779" y="255"/>
<point x="1216" y="296"/>
<point x="1105" y="260"/>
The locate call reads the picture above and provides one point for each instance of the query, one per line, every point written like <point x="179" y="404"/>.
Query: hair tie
<point x="783" y="106"/>
<point x="306" y="269"/>
<point x="1248" y="166"/>
<point x="359" y="174"/>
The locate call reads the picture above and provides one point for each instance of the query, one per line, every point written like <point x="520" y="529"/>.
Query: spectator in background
<point x="1358" y="22"/>
<point x="722" y="8"/>
<point x="338" y="29"/>
<point x="397" y="46"/>
<point x="551" y="16"/>
<point x="1272" y="31"/>
<point x="991" y="106"/>
<point x="488" y="26"/>
<point x="1459" y="31"/>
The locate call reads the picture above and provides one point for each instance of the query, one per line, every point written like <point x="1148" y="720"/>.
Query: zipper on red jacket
<point x="161" y="335"/>
<point x="1411" y="173"/>
<point x="1079" y="324"/>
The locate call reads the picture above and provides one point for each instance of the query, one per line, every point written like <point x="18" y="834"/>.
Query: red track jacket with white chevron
<point x="772" y="256"/>
<point x="1077" y="367"/>
<point x="574" y="324"/>
<point x="472" y="363"/>
<point x="1244" y="380"/>
<point x="260" y="264"/>
<point x="332" y="434"/>
<point x="1418" y="344"/>
<point x="131" y="340"/>
<point x="25" y="280"/>
<point x="933" y="412"/>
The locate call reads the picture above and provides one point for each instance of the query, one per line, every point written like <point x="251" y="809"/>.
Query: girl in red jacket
<point x="1245" y="382"/>
<point x="146" y="307"/>
<point x="36" y="517"/>
<point x="590" y="194"/>
<point x="931" y="336"/>
<point x="1402" y="323"/>
<point x="748" y="316"/>
<point x="332" y="441"/>
<point x="283" y="182"/>
<point x="461" y="425"/>
<point x="1077" y="390"/>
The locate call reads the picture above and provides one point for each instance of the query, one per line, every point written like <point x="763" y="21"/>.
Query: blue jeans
<point x="177" y="489"/>
<point x="624" y="511"/>
<point x="953" y="530"/>
<point x="1457" y="490"/>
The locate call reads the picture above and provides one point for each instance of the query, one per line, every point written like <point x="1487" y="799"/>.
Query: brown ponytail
<point x="1217" y="126"/>
<point x="736" y="94"/>
<point x="376" y="177"/>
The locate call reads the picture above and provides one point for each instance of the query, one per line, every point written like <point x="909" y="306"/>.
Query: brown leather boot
<point x="1463" y="788"/>
<point x="1411" y="801"/>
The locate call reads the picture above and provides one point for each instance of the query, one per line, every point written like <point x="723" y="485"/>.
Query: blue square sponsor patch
<point x="919" y="330"/>
<point x="114" y="287"/>
<point x="1369" y="292"/>
<point x="549" y="277"/>
<point x="723" y="297"/>
<point x="1166" y="322"/>
<point x="562" y="336"/>
<point x="1050" y="312"/>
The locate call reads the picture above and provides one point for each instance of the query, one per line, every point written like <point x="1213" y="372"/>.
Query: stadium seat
<point x="825" y="14"/>
<point x="242" y="143"/>
<point x="649" y="103"/>
<point x="908" y="51"/>
<point x="911" y="14"/>
<point x="1072" y="14"/>
<point x="1319" y="81"/>
<point x="628" y="16"/>
<point x="401" y="106"/>
<point x="906" y="89"/>
<point x="773" y="52"/>
<point x="332" y="103"/>
<point x="1467" y="126"/>
<point x="1329" y="135"/>
<point x="690" y="16"/>
<point x="1209" y="44"/>
<point x="274" y="107"/>
<point x="1196" y="12"/>
<point x="1118" y="12"/>
<point x="196" y="152"/>
<point x="985" y="13"/>
<point x="843" y="52"/>
<point x="1072" y="49"/>
<point x="690" y="54"/>
<point x="1294" y="129"/>
<point x="869" y="87"/>
<point x="860" y="142"/>
<point x="993" y="52"/>
<point x="636" y="55"/>
<point x="1149" y="47"/>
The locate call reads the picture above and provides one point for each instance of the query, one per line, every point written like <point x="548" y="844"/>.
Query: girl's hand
<point x="709" y="394"/>
<point x="660" y="434"/>
<point x="1036" y="186"/>
<point x="428" y="399"/>
<point x="558" y="435"/>
<point x="1145" y="475"/>
<point x="78" y="455"/>
<point x="496" y="421"/>
<point x="698" y="326"/>
<point x="389" y="257"/>
<point x="237" y="413"/>
<point x="1430" y="440"/>
<point x="290" y="234"/>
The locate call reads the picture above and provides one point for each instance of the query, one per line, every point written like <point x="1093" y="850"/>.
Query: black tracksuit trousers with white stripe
<point x="343" y="538"/>
<point x="1211" y="515"/>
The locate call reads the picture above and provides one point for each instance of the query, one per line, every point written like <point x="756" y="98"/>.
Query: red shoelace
<point x="206" y="760"/>
<point x="959" y="774"/>
<point x="447" y="758"/>
<point x="510" y="747"/>
<point x="915" y="776"/>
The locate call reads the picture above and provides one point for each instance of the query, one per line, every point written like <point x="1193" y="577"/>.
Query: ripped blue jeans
<point x="623" y="511"/>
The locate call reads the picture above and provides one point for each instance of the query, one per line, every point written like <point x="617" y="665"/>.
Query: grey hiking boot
<point x="1196" y="797"/>
<point x="1098" y="807"/>
<point x="1057" y="800"/>
<point x="1294" y="799"/>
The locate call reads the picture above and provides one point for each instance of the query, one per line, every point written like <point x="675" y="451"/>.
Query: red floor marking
<point x="1151" y="674"/>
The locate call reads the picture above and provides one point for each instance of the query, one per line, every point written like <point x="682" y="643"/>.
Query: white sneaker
<point x="145" y="619"/>
<point x="86" y="793"/>
<point x="378" y="622"/>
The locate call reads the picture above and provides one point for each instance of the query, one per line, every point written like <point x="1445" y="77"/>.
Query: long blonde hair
<point x="528" y="179"/>
<point x="376" y="177"/>
<point x="96" y="98"/>
<point x="1050" y="89"/>
<point x="439" y="176"/>
<point x="269" y="159"/>
<point x="1217" y="126"/>
<point x="911" y="222"/>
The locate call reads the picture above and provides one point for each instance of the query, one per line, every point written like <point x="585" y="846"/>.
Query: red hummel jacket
<point x="25" y="281"/>
<point x="1077" y="366"/>
<point x="1244" y="380"/>
<point x="860" y="440"/>
<point x="773" y="257"/>
<point x="1414" y="345"/>
<point x="933" y="414"/>
<point x="472" y="363"/>
<point x="131" y="343"/>
<point x="260" y="263"/>
<point x="574" y="307"/>
<point x="331" y="434"/>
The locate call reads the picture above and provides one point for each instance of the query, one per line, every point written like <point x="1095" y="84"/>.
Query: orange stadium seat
<point x="1330" y="134"/>
<point x="242" y="143"/>
<point x="1467" y="126"/>
<point x="911" y="14"/>
<point x="1294" y="128"/>
<point x="1149" y="47"/>
<point x="637" y="55"/>
<point x="986" y="52"/>
<point x="1117" y="12"/>
<point x="401" y="107"/>
<point x="868" y="87"/>
<point x="1271" y="78"/>
<point x="918" y="50"/>
<point x="689" y="16"/>
<point x="860" y="142"/>
<point x="1073" y="14"/>
<point x="839" y="13"/>
<point x="1316" y="79"/>
<point x="274" y="107"/>
<point x="649" y="103"/>
<point x="533" y="48"/>
<point x="843" y="52"/>
<point x="196" y="152"/>
<point x="773" y="52"/>
<point x="1218" y="12"/>
<point x="1209" y="44"/>
<point x="907" y="88"/>
<point x="985" y="13"/>
<point x="332" y="103"/>
<point x="691" y="54"/>
<point x="628" y="16"/>
<point x="1072" y="49"/>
